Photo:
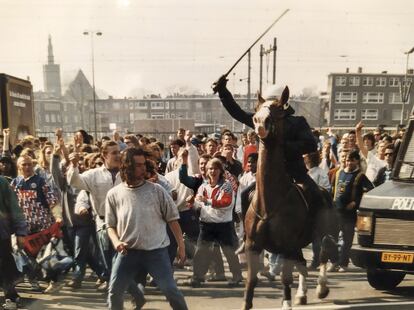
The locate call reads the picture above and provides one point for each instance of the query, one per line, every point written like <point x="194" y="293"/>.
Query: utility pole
<point x="261" y="67"/>
<point x="274" y="59"/>
<point x="405" y="87"/>
<point x="249" y="69"/>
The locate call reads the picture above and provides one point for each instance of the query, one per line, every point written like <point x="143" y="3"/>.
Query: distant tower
<point x="51" y="73"/>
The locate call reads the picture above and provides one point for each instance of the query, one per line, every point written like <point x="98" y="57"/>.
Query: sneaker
<point x="103" y="287"/>
<point x="75" y="284"/>
<point x="236" y="281"/>
<point x="333" y="268"/>
<point x="9" y="305"/>
<point x="342" y="269"/>
<point x="193" y="282"/>
<point x="268" y="275"/>
<point x="99" y="282"/>
<point x="35" y="287"/>
<point x="216" y="278"/>
<point x="53" y="287"/>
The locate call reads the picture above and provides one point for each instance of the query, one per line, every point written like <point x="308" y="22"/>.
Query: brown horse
<point x="278" y="219"/>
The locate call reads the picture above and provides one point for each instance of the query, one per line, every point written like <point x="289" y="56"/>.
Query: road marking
<point x="374" y="304"/>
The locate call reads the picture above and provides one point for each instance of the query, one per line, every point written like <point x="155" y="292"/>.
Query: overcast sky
<point x="159" y="45"/>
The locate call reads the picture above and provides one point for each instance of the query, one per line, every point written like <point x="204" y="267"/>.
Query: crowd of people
<point x="132" y="209"/>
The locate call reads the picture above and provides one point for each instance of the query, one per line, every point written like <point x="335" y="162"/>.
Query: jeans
<point x="8" y="270"/>
<point x="55" y="266"/>
<point x="106" y="250"/>
<point x="223" y="234"/>
<point x="275" y="263"/>
<point x="86" y="252"/>
<point x="156" y="263"/>
<point x="347" y="227"/>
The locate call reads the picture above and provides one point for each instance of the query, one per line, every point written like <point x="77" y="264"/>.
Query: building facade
<point x="373" y="98"/>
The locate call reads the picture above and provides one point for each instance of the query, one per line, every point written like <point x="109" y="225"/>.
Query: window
<point x="394" y="82"/>
<point x="381" y="81"/>
<point x="198" y="116"/>
<point x="354" y="81"/>
<point x="346" y="97"/>
<point x="409" y="80"/>
<point x="373" y="98"/>
<point x="157" y="116"/>
<point x="367" y="81"/>
<point x="53" y="118"/>
<point x="345" y="114"/>
<point x="59" y="119"/>
<point x="140" y="116"/>
<point x="167" y="104"/>
<point x="340" y="81"/>
<point x="52" y="107"/>
<point x="198" y="105"/>
<point x="395" y="98"/>
<point x="116" y="105"/>
<point x="157" y="105"/>
<point x="140" y="105"/>
<point x="369" y="114"/>
<point x="47" y="120"/>
<point x="181" y="105"/>
<point x="396" y="115"/>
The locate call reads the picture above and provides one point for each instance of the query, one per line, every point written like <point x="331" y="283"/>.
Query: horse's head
<point x="268" y="112"/>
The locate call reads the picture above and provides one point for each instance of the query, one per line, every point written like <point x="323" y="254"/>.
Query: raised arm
<point x="231" y="105"/>
<point x="360" y="140"/>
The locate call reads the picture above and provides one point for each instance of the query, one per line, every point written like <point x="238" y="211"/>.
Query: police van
<point x="385" y="223"/>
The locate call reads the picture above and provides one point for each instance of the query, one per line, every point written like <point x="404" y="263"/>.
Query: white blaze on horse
<point x="278" y="218"/>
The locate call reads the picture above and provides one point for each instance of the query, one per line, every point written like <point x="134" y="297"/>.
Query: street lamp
<point x="92" y="33"/>
<point x="405" y="89"/>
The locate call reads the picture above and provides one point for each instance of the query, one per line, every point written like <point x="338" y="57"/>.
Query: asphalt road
<point x="349" y="290"/>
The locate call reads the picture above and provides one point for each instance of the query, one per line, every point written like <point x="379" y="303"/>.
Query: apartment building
<point x="373" y="98"/>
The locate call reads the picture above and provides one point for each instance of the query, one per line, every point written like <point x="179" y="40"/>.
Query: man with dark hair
<point x="349" y="186"/>
<point x="384" y="174"/>
<point x="175" y="146"/>
<point x="211" y="146"/>
<point x="137" y="213"/>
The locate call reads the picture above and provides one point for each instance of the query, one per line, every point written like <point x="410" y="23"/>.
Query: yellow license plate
<point x="392" y="257"/>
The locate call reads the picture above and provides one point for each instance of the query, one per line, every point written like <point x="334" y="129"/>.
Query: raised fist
<point x="220" y="84"/>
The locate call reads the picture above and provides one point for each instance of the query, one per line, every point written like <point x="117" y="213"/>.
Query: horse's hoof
<point x="287" y="305"/>
<point x="322" y="291"/>
<point x="301" y="300"/>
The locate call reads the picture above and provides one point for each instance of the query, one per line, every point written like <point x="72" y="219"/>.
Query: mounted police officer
<point x="298" y="140"/>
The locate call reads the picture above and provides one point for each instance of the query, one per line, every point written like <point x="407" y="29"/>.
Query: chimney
<point x="28" y="78"/>
<point x="410" y="71"/>
<point x="384" y="72"/>
<point x="359" y="69"/>
<point x="347" y="70"/>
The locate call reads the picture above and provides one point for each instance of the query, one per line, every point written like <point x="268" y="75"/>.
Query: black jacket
<point x="298" y="137"/>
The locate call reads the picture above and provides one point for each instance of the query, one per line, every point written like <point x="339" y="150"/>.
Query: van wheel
<point x="384" y="279"/>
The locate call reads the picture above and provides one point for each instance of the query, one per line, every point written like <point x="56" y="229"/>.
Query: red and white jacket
<point x="219" y="205"/>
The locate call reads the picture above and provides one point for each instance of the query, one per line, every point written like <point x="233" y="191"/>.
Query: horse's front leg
<point x="328" y="248"/>
<point x="253" y="265"/>
<point x="287" y="280"/>
<point x="300" y="297"/>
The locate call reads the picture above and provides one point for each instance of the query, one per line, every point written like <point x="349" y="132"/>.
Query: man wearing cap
<point x="298" y="139"/>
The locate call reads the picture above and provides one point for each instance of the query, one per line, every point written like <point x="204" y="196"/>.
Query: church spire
<point x="50" y="57"/>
